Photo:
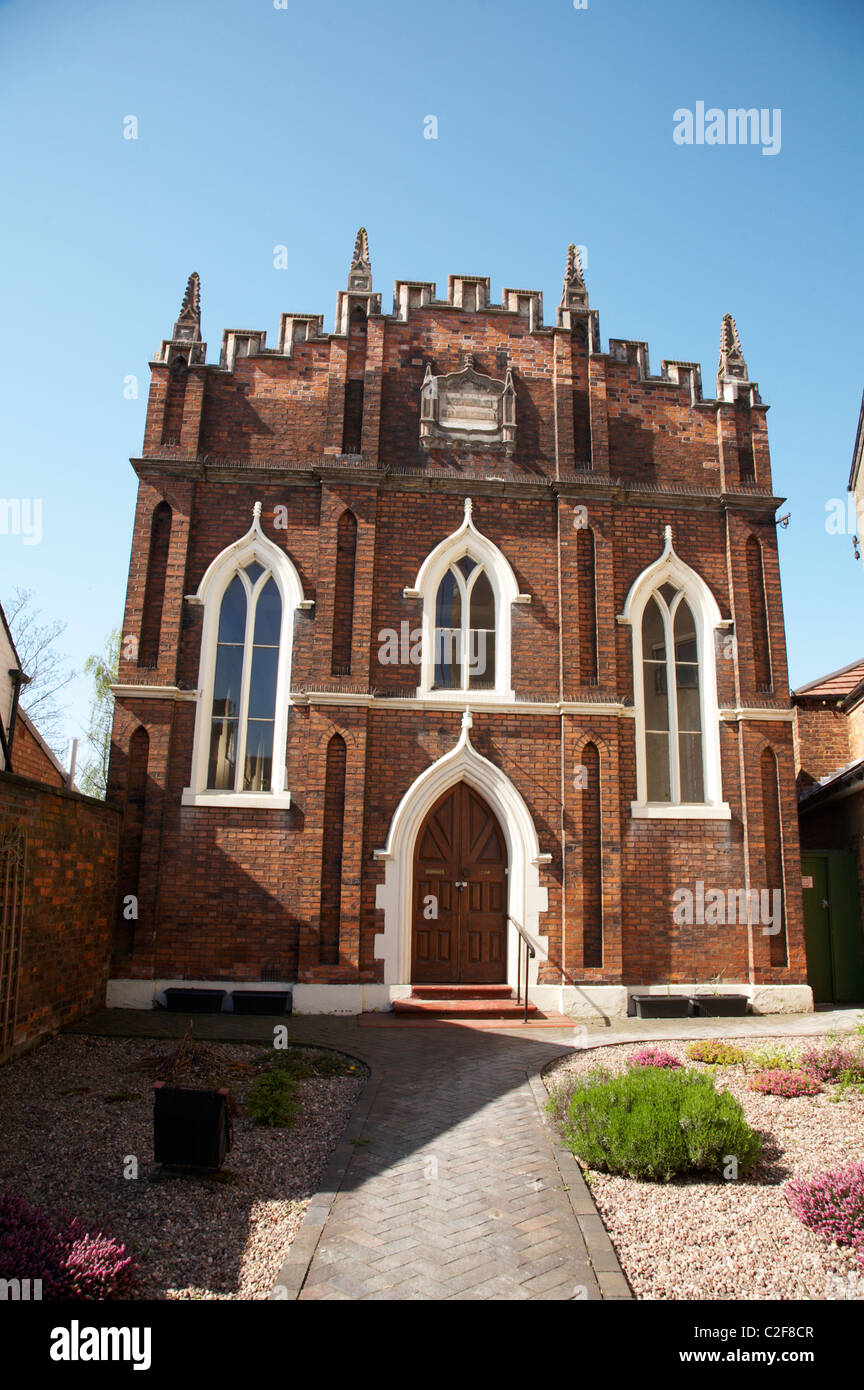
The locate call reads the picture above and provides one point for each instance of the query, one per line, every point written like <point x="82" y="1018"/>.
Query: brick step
<point x="461" y="992"/>
<point x="463" y="1008"/>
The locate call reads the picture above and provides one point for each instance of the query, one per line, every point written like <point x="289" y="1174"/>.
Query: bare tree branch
<point x="47" y="667"/>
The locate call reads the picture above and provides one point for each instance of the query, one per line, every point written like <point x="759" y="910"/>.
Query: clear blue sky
<point x="261" y="126"/>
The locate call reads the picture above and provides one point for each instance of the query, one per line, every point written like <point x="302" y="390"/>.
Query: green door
<point x="832" y="927"/>
<point x="817" y="927"/>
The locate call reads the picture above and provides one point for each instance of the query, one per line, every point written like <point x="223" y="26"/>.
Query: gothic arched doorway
<point x="459" y="931"/>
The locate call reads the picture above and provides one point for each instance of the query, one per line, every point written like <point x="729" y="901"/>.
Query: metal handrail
<point x="530" y="953"/>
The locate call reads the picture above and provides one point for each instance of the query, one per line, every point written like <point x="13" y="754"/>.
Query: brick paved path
<point x="452" y="1190"/>
<point x="446" y="1184"/>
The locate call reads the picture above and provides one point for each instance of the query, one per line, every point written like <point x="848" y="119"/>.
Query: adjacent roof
<point x="835" y="686"/>
<point x="849" y="778"/>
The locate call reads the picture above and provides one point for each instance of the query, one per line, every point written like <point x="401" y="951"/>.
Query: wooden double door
<point x="460" y="894"/>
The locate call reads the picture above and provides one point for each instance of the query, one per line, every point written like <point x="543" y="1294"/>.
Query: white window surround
<point x="526" y="898"/>
<point x="253" y="546"/>
<point x="670" y="568"/>
<point x="467" y="540"/>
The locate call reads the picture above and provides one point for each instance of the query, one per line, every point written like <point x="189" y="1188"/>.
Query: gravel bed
<point x="696" y="1239"/>
<point x="193" y="1237"/>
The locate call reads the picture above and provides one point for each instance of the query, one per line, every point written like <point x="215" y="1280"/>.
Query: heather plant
<point x="653" y="1057"/>
<point x="70" y="1261"/>
<point x="650" y="1122"/>
<point x="832" y="1203"/>
<point x="95" y="1266"/>
<point x="30" y="1245"/>
<point x="715" y="1053"/>
<point x="773" y="1057"/>
<point x="833" y="1062"/>
<point x="784" y="1083"/>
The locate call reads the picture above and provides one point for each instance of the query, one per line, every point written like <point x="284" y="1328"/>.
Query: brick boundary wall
<point x="68" y="903"/>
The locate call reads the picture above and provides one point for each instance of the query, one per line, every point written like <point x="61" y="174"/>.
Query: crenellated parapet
<point x="461" y="375"/>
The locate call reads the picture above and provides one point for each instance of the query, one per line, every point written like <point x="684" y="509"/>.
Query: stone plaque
<point x="468" y="407"/>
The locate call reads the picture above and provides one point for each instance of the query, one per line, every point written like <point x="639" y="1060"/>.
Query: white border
<point x="526" y="899"/>
<point x="467" y="540"/>
<point x="706" y="614"/>
<point x="253" y="546"/>
<point x="585" y="1003"/>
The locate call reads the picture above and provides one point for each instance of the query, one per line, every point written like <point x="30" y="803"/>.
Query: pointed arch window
<point x="674" y="617"/>
<point x="465" y="628"/>
<point x="674" y="760"/>
<point x="244" y="683"/>
<point x="468" y="589"/>
<point x="250" y="594"/>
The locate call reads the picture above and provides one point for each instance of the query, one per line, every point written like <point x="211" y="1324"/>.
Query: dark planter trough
<point x="720" y="1005"/>
<point x="660" y="1005"/>
<point x="194" y="1001"/>
<point x="190" y="1128"/>
<point x="262" y="1001"/>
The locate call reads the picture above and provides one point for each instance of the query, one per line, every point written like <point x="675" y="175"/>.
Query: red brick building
<point x="345" y="542"/>
<point x="58" y="864"/>
<point x="829" y="740"/>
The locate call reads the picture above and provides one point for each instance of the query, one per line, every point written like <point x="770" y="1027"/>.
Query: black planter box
<point x="660" y="1005"/>
<point x="190" y="1128"/>
<point x="261" y="1001"/>
<point x="720" y="1005"/>
<point x="194" y="1001"/>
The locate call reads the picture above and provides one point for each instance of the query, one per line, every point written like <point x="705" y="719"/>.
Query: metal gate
<point x="13" y="868"/>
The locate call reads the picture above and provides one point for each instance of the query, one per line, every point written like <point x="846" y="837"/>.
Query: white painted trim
<point x="143" y="994"/>
<point x="346" y="999"/>
<point x="248" y="801"/>
<point x="586" y="1004"/>
<point x="467" y="540"/>
<point x="681" y="810"/>
<point x="153" y="692"/>
<point x="445" y="699"/>
<point x="781" y="999"/>
<point x="219" y="574"/>
<point x="526" y="898"/>
<point x="777" y="716"/>
<point x="589" y="707"/>
<point x="706" y="615"/>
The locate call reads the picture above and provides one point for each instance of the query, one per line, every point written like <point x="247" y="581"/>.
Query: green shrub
<point x="653" y="1123"/>
<point x="715" y="1053"/>
<point x="773" y="1057"/>
<point x="302" y="1063"/>
<point x="848" y="1081"/>
<point x="272" y="1098"/>
<point x="292" y="1062"/>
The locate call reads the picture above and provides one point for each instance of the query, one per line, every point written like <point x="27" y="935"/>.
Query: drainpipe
<point x="560" y="669"/>
<point x="745" y="818"/>
<point x="563" y="778"/>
